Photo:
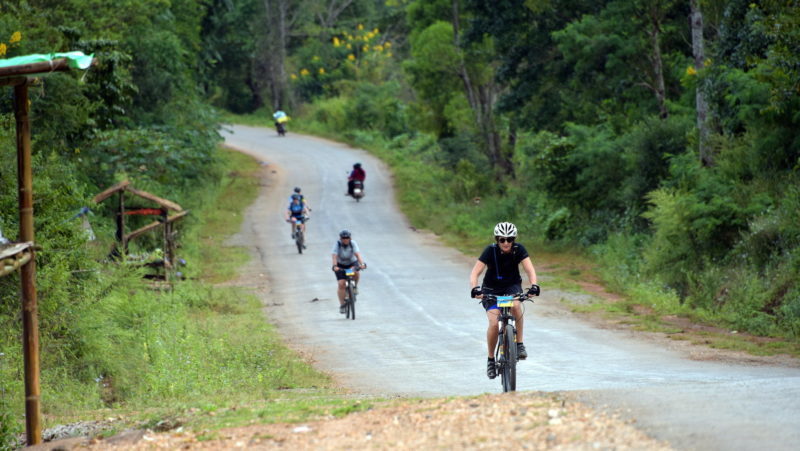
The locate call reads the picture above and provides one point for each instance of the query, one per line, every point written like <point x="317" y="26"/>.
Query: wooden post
<point x="123" y="243"/>
<point x="30" y="321"/>
<point x="165" y="245"/>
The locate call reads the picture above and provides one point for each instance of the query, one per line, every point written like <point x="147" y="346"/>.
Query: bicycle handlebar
<point x="522" y="297"/>
<point x="357" y="268"/>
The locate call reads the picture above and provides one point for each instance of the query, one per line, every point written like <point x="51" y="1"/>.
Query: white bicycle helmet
<point x="505" y="229"/>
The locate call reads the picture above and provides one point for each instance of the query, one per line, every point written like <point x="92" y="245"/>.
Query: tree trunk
<point x="279" y="62"/>
<point x="328" y="18"/>
<point x="698" y="51"/>
<point x="273" y="62"/>
<point x="657" y="62"/>
<point x="481" y="100"/>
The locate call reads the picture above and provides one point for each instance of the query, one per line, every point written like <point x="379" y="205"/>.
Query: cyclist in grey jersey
<point x="345" y="254"/>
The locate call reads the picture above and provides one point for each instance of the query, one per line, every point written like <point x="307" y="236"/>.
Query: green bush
<point x="379" y="108"/>
<point x="331" y="111"/>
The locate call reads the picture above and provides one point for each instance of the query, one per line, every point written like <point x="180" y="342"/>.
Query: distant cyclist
<point x="296" y="213"/>
<point x="345" y="254"/>
<point x="357" y="174"/>
<point x="303" y="199"/>
<point x="501" y="261"/>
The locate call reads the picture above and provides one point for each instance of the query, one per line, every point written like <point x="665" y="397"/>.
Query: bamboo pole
<point x="30" y="321"/>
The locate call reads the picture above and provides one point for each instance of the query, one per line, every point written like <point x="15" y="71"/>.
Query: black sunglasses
<point x="503" y="239"/>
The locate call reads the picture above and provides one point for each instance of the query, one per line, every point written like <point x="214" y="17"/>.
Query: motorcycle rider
<point x="344" y="255"/>
<point x="296" y="213"/>
<point x="356" y="174"/>
<point x="501" y="261"/>
<point x="280" y="120"/>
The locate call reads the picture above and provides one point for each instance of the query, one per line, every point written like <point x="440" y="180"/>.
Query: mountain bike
<point x="505" y="354"/>
<point x="299" y="235"/>
<point x="350" y="292"/>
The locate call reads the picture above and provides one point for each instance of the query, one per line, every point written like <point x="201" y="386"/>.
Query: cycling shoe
<point x="522" y="354"/>
<point x="491" y="369"/>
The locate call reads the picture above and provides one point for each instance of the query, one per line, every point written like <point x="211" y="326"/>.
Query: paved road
<point x="418" y="333"/>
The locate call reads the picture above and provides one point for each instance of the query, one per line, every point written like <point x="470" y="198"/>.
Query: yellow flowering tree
<point x="360" y="54"/>
<point x="13" y="41"/>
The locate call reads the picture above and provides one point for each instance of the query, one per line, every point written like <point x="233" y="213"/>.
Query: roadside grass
<point x="237" y="190"/>
<point x="260" y="118"/>
<point x="636" y="314"/>
<point x="283" y="406"/>
<point x="643" y="304"/>
<point x="200" y="355"/>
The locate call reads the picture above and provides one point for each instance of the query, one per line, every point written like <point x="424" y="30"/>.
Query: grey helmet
<point x="344" y="234"/>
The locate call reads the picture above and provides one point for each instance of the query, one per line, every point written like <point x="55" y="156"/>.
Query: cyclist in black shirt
<point x="501" y="261"/>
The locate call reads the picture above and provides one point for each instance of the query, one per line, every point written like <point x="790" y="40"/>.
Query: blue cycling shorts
<point x="510" y="290"/>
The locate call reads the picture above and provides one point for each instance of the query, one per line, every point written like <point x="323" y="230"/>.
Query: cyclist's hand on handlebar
<point x="363" y="266"/>
<point x="334" y="268"/>
<point x="534" y="290"/>
<point x="476" y="293"/>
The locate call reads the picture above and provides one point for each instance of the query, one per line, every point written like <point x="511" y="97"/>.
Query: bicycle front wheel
<point x="300" y="240"/>
<point x="352" y="301"/>
<point x="509" y="374"/>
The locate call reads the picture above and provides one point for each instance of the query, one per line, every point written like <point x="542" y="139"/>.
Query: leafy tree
<point x="433" y="72"/>
<point x="523" y="45"/>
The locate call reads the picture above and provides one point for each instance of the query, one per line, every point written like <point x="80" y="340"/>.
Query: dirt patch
<point x="512" y="421"/>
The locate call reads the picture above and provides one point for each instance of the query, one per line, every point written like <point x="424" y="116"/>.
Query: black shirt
<point x="502" y="270"/>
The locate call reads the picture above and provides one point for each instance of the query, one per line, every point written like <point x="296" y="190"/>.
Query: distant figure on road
<point x="501" y="260"/>
<point x="344" y="255"/>
<point x="356" y="174"/>
<point x="281" y="118"/>
<point x="296" y="213"/>
<point x="303" y="199"/>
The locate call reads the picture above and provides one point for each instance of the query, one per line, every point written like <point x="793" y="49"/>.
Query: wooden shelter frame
<point x="165" y="220"/>
<point x="21" y="255"/>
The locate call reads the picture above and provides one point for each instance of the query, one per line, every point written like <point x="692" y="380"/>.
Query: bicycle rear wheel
<point x="510" y="365"/>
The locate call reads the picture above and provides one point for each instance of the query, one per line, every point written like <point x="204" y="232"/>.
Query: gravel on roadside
<point x="524" y="420"/>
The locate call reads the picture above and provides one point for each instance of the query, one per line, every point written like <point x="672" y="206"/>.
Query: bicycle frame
<point x="506" y="348"/>
<point x="299" y="232"/>
<point x="350" y="297"/>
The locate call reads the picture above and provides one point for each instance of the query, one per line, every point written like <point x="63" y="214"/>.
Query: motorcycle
<point x="358" y="190"/>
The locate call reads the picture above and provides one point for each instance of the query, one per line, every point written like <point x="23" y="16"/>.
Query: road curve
<point x="418" y="333"/>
